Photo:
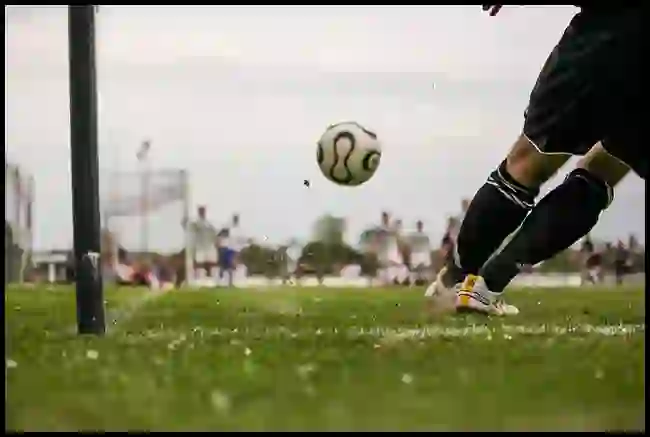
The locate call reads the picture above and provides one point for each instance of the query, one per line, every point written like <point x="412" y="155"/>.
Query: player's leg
<point x="585" y="271"/>
<point x="219" y="266"/>
<point x="391" y="269"/>
<point x="618" y="272"/>
<point x="403" y="275"/>
<point x="496" y="211"/>
<point x="500" y="205"/>
<point x="200" y="268"/>
<point x="584" y="267"/>
<point x="422" y="268"/>
<point x="399" y="270"/>
<point x="416" y="272"/>
<point x="229" y="268"/>
<point x="572" y="106"/>
<point x="382" y="268"/>
<point x="560" y="219"/>
<point x="290" y="271"/>
<point x="617" y="43"/>
<point x="549" y="138"/>
<point x="232" y="267"/>
<point x="229" y="264"/>
<point x="240" y="268"/>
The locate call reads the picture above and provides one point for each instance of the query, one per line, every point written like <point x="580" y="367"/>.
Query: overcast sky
<point x="239" y="95"/>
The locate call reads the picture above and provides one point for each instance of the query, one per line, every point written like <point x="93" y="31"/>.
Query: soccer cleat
<point x="474" y="296"/>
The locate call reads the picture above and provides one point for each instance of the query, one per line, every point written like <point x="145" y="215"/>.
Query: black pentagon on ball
<point x="319" y="153"/>
<point x="371" y="160"/>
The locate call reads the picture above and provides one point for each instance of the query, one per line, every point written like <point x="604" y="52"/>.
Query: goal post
<point x="19" y="201"/>
<point x="145" y="213"/>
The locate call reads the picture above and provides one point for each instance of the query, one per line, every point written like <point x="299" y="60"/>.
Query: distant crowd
<point x="389" y="255"/>
<point x="620" y="259"/>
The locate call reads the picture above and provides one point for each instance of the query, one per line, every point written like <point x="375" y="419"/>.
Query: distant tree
<point x="13" y="256"/>
<point x="329" y="229"/>
<point x="327" y="252"/>
<point x="261" y="260"/>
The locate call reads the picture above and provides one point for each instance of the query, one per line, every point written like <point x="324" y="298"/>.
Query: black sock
<point x="496" y="211"/>
<point x="560" y="219"/>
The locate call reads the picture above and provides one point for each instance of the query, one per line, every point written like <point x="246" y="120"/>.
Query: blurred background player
<point x="203" y="242"/>
<point x="591" y="262"/>
<point x="420" y="249"/>
<point x="447" y="251"/>
<point x="449" y="239"/>
<point x="393" y="271"/>
<point x="234" y="242"/>
<point x="291" y="254"/>
<point x="400" y="273"/>
<point x="622" y="262"/>
<point x="226" y="259"/>
<point x="369" y="262"/>
<point x="294" y="252"/>
<point x="383" y="241"/>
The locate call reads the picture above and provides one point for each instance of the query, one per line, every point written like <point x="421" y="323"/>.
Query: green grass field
<point x="325" y="359"/>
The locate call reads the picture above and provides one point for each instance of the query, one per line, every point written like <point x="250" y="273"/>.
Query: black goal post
<point x="84" y="170"/>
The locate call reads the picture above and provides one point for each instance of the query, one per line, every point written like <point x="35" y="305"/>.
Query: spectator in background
<point x="622" y="262"/>
<point x="637" y="254"/>
<point x="293" y="252"/>
<point x="203" y="239"/>
<point x="608" y="254"/>
<point x="420" y="255"/>
<point x="393" y="271"/>
<point x="448" y="243"/>
<point x="236" y="241"/>
<point x="633" y="244"/>
<point x="592" y="262"/>
<point x="227" y="257"/>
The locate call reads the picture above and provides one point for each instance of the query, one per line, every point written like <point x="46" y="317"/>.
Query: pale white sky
<point x="239" y="95"/>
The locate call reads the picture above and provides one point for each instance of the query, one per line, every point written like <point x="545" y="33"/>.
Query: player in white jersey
<point x="420" y="246"/>
<point x="235" y="242"/>
<point x="237" y="239"/>
<point x="293" y="254"/>
<point x="382" y="248"/>
<point x="393" y="270"/>
<point x="203" y="240"/>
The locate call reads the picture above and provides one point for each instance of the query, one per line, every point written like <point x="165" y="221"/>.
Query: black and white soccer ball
<point x="348" y="153"/>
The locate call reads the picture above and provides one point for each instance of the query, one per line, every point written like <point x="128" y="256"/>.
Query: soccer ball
<point x="348" y="154"/>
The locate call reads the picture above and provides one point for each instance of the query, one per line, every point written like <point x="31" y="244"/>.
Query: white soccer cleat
<point x="474" y="296"/>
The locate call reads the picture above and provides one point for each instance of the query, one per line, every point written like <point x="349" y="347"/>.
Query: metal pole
<point x="144" y="169"/>
<point x="84" y="170"/>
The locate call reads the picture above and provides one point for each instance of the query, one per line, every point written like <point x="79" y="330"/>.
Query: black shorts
<point x="590" y="88"/>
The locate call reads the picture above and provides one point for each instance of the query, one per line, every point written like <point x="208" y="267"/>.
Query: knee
<point x="600" y="192"/>
<point x="529" y="167"/>
<point x="599" y="163"/>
